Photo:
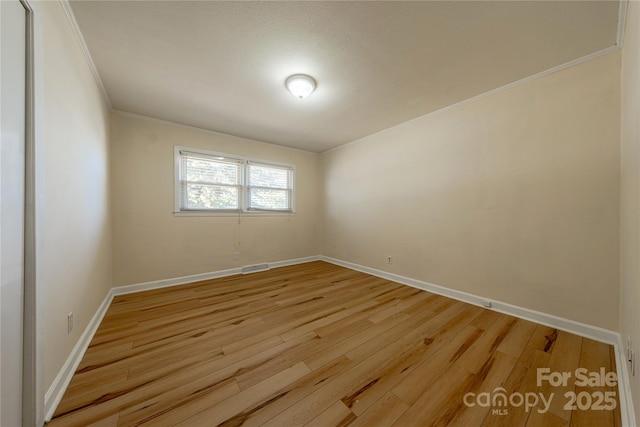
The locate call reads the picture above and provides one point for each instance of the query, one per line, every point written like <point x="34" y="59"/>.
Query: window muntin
<point x="218" y="183"/>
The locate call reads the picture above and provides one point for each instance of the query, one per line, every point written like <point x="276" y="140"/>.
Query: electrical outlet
<point x="70" y="322"/>
<point x="389" y="260"/>
<point x="236" y="255"/>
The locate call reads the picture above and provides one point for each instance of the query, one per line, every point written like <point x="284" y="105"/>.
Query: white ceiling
<point x="221" y="65"/>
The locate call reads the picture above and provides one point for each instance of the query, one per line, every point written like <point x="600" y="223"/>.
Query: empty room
<point x="319" y="213"/>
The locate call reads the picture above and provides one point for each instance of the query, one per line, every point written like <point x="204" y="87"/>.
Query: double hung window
<point x="219" y="183"/>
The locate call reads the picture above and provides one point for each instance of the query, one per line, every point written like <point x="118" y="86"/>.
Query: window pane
<point x="264" y="176"/>
<point x="267" y="199"/>
<point x="201" y="196"/>
<point x="204" y="170"/>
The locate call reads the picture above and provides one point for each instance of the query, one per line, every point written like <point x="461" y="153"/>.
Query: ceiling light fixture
<point x="300" y="85"/>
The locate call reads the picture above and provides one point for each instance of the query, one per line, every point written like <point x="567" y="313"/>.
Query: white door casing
<point x="13" y="39"/>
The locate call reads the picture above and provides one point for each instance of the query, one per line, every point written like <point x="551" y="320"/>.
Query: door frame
<point x="32" y="396"/>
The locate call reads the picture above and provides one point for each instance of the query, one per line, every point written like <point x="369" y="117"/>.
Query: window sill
<point x="231" y="214"/>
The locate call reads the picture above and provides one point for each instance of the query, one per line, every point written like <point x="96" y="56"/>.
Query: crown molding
<point x="524" y="80"/>
<point x="85" y="50"/>
<point x="622" y="19"/>
<point x="207" y="131"/>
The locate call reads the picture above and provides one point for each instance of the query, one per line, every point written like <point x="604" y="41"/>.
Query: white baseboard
<point x="157" y="284"/>
<point x="295" y="261"/>
<point x="53" y="396"/>
<point x="577" y="328"/>
<point x="165" y="283"/>
<point x="57" y="389"/>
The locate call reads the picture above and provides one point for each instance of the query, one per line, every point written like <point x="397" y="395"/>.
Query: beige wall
<point x="73" y="214"/>
<point x="513" y="196"/>
<point x="630" y="191"/>
<point x="150" y="243"/>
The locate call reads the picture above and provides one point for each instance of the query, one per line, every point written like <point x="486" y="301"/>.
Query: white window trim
<point x="243" y="211"/>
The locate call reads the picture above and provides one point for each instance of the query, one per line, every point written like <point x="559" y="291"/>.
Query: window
<point x="218" y="183"/>
<point x="269" y="187"/>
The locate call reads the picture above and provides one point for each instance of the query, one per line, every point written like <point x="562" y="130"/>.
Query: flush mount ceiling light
<point x="300" y="85"/>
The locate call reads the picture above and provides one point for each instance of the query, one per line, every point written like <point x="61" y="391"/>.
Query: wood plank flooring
<point x="320" y="345"/>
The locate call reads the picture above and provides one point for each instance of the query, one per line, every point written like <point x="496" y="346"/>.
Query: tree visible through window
<point x="269" y="187"/>
<point x="219" y="183"/>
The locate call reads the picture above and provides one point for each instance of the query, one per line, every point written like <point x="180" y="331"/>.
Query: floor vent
<point x="253" y="268"/>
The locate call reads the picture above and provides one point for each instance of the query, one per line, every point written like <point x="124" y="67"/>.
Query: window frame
<point x="244" y="162"/>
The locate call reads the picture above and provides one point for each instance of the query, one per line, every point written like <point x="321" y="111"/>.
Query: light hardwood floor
<point x="320" y="345"/>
